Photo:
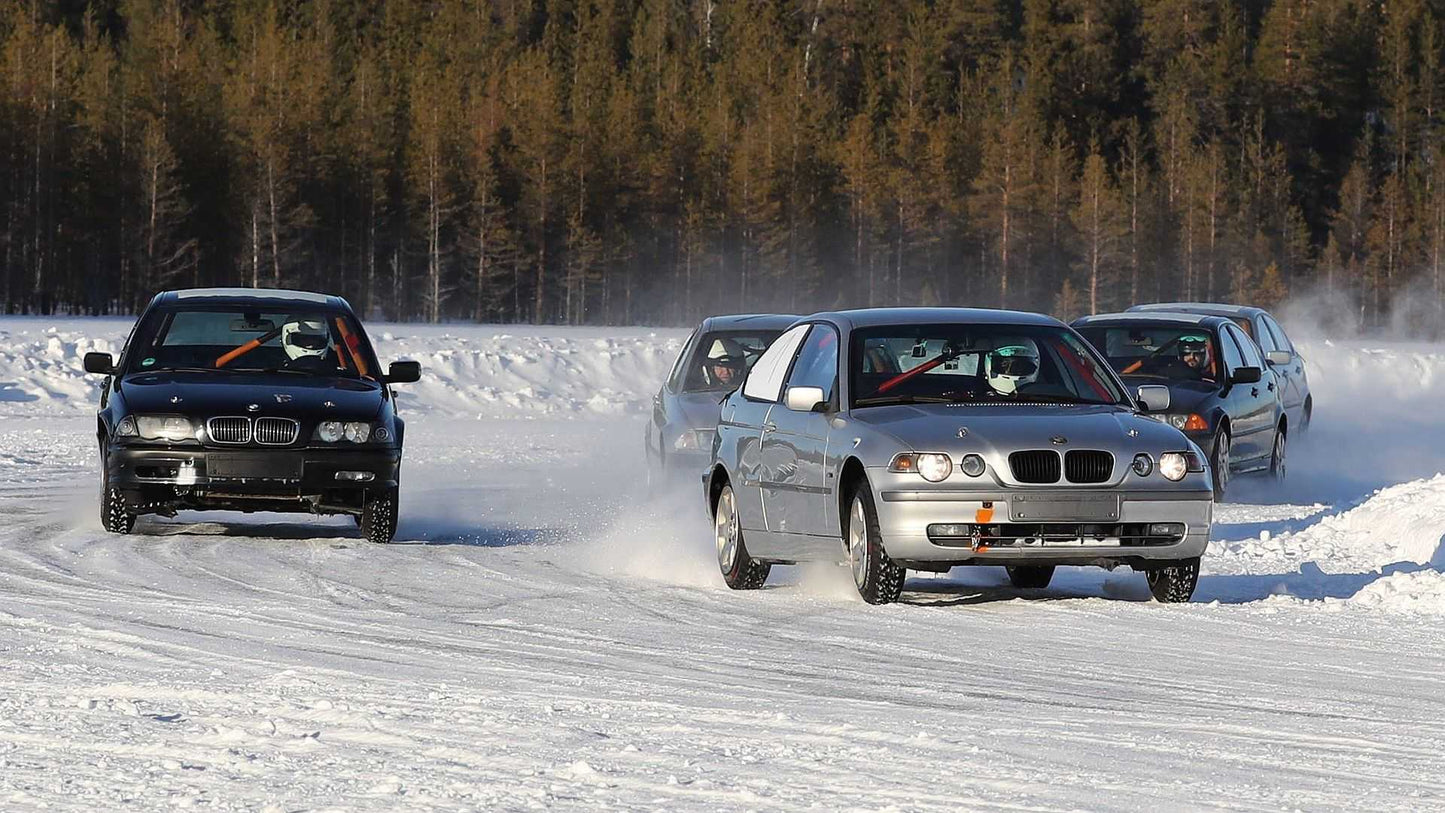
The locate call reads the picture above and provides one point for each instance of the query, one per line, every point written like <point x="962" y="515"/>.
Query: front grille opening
<point x="229" y="430"/>
<point x="1056" y="534"/>
<point x="276" y="431"/>
<point x="1087" y="466"/>
<point x="1036" y="466"/>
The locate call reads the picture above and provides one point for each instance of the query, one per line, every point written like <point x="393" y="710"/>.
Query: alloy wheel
<point x="858" y="542"/>
<point x="725" y="525"/>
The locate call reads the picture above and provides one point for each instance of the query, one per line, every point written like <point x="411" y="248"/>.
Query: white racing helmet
<point x="725" y="352"/>
<point x="301" y="338"/>
<point x="1012" y="365"/>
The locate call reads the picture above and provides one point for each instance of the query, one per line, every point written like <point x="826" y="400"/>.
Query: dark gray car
<point x="1278" y="351"/>
<point x="684" y="411"/>
<point x="1222" y="394"/>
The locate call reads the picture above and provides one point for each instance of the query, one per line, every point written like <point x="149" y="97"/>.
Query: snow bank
<point x="1386" y="553"/>
<point x="468" y="370"/>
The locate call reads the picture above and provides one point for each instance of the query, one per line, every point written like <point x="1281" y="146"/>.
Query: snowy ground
<point x="540" y="639"/>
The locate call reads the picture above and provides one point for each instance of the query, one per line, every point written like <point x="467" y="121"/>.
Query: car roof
<point x="878" y="317"/>
<point x="259" y="297"/>
<point x="749" y="321"/>
<point x="1160" y="318"/>
<point x="1211" y="308"/>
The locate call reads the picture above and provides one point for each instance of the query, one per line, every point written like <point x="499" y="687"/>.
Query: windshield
<point x="722" y="358"/>
<point x="219" y="340"/>
<point x="985" y="364"/>
<point x="1171" y="353"/>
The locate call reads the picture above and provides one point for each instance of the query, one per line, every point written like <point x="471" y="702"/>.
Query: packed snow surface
<point x="541" y="637"/>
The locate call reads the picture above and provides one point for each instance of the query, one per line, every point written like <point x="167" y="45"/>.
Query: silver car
<point x="928" y="438"/>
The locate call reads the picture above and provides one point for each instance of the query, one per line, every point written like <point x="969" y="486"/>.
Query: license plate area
<point x="254" y="466"/>
<point x="1066" y="507"/>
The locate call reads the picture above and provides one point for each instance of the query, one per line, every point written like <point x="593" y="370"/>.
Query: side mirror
<point x="1279" y="358"/>
<point x="99" y="363"/>
<point x="1246" y="375"/>
<point x="804" y="399"/>
<point x="403" y="372"/>
<point x="1154" y="397"/>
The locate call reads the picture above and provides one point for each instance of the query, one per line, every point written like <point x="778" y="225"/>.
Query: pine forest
<point x="656" y="161"/>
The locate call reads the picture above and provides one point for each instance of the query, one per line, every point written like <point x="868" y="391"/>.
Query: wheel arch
<point x="850" y="474"/>
<point x="716" y="479"/>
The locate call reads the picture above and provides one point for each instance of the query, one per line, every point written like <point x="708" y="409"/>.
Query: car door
<point x="1293" y="387"/>
<point x="795" y="445"/>
<point x="761" y="391"/>
<point x="1255" y="403"/>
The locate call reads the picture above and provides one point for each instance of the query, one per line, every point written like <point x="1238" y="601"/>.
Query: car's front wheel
<point x="115" y="516"/>
<point x="878" y="578"/>
<point x="1175" y="584"/>
<point x="1219" y="463"/>
<point x="378" y="518"/>
<point x="739" y="570"/>
<point x="1030" y="577"/>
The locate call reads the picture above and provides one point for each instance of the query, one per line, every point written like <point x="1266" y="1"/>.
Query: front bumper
<point x="905" y="515"/>
<point x="198" y="473"/>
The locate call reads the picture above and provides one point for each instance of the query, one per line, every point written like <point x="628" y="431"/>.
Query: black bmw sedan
<point x="249" y="400"/>
<point x="1221" y="392"/>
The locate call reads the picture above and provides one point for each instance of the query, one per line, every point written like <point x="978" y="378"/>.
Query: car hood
<point x="699" y="410"/>
<point x="1184" y="396"/>
<point x="210" y="394"/>
<point x="1006" y="429"/>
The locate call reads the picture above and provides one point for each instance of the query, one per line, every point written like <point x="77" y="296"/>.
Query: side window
<point x="1229" y="344"/>
<point x="765" y="380"/>
<point x="1281" y="341"/>
<point x="1250" y="352"/>
<point x="1264" y="338"/>
<point x="674" y="378"/>
<point x="817" y="364"/>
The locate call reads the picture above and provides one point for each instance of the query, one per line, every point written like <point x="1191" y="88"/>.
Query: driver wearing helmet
<point x="305" y="342"/>
<point x="1012" y="366"/>
<point x="1194" y="354"/>
<point x="725" y="364"/>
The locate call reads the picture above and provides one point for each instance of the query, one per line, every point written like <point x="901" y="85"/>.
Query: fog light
<point x="1166" y="529"/>
<point x="971" y="464"/>
<point x="950" y="530"/>
<point x="355" y="476"/>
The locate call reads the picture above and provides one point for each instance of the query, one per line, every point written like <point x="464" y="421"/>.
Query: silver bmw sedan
<point x="925" y="438"/>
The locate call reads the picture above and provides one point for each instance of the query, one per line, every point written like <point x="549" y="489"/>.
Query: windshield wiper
<point x="877" y="400"/>
<point x="188" y="370"/>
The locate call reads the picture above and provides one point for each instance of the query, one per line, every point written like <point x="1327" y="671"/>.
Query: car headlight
<point x="1192" y="422"/>
<point x="126" y="428"/>
<point x="972" y="465"/>
<point x="1143" y="465"/>
<point x="686" y="442"/>
<point x="931" y="466"/>
<point x="353" y="431"/>
<point x="164" y="427"/>
<point x="1174" y="465"/>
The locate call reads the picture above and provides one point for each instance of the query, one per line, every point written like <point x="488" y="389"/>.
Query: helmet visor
<point x="308" y="341"/>
<point x="1017" y="366"/>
